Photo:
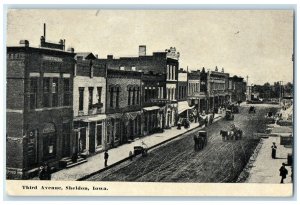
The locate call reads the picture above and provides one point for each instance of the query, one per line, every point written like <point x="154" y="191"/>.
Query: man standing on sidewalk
<point x="274" y="148"/>
<point x="105" y="158"/>
<point x="283" y="172"/>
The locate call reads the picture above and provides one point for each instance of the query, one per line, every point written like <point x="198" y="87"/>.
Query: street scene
<point x="151" y="105"/>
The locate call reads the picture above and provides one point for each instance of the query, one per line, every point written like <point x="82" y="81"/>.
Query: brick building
<point x="161" y="63"/>
<point x="197" y="90"/>
<point x="217" y="87"/>
<point x="89" y="104"/>
<point x="39" y="106"/>
<point x="123" y="106"/>
<point x="237" y="89"/>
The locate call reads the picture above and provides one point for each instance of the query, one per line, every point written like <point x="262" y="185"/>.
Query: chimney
<point x="24" y="42"/>
<point x="110" y="57"/>
<point x="142" y="50"/>
<point x="45" y="31"/>
<point x="71" y="50"/>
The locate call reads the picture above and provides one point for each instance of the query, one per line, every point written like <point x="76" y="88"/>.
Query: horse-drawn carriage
<point x="200" y="140"/>
<point x="252" y="109"/>
<point x="229" y="115"/>
<point x="234" y="134"/>
<point x="142" y="149"/>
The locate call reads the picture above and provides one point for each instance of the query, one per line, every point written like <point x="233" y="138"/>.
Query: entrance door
<point x="66" y="146"/>
<point x="82" y="140"/>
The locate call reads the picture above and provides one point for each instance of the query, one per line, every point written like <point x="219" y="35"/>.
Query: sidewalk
<point x="96" y="162"/>
<point x="265" y="169"/>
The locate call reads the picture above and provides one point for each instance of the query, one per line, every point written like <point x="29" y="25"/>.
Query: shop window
<point x="33" y="92"/>
<point x="99" y="135"/>
<point x="99" y="93"/>
<point x="49" y="145"/>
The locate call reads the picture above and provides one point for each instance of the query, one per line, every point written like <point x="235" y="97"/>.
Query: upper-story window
<point x="55" y="92"/>
<point x="67" y="92"/>
<point x="46" y="92"/>
<point x="91" y="92"/>
<point x="133" y="68"/>
<point x="81" y="98"/>
<point x="114" y="96"/>
<point x="122" y="68"/>
<point x="33" y="92"/>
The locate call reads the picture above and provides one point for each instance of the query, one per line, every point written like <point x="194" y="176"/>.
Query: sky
<point x="253" y="43"/>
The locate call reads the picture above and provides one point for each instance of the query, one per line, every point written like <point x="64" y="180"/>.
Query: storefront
<point x="89" y="134"/>
<point x="184" y="110"/>
<point x="151" y="120"/>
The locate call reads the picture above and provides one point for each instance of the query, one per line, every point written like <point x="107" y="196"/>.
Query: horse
<point x="224" y="134"/>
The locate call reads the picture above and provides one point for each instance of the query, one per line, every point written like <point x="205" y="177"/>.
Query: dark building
<point x="161" y="63"/>
<point x="39" y="107"/>
<point x="123" y="106"/>
<point x="153" y="102"/>
<point x="197" y="90"/>
<point x="237" y="89"/>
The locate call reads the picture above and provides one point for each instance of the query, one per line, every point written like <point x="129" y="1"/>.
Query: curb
<point x="244" y="175"/>
<point x="128" y="158"/>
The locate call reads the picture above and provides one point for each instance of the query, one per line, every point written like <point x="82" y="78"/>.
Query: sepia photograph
<point x="166" y="102"/>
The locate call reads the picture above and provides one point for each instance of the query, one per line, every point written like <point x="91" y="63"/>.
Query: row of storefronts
<point x="76" y="104"/>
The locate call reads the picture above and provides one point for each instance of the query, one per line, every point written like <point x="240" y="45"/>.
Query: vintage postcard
<point x="149" y="102"/>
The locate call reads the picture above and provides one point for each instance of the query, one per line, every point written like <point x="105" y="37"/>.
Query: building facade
<point x="123" y="107"/>
<point x="237" y="89"/>
<point x="39" y="107"/>
<point x="89" y="104"/>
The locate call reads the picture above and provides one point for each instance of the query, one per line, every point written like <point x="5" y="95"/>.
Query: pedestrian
<point x="274" y="148"/>
<point x="42" y="173"/>
<point x="283" y="172"/>
<point x="130" y="155"/>
<point x="106" y="155"/>
<point x="47" y="171"/>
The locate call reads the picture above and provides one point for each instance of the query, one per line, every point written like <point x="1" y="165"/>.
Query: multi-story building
<point x="39" y="106"/>
<point x="164" y="63"/>
<point x="217" y="88"/>
<point x="153" y="102"/>
<point x="184" y="110"/>
<point x="237" y="89"/>
<point x="197" y="90"/>
<point x="123" y="106"/>
<point x="89" y="104"/>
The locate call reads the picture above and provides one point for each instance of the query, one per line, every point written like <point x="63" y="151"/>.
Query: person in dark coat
<point x="274" y="148"/>
<point x="42" y="173"/>
<point x="106" y="155"/>
<point x="45" y="172"/>
<point x="283" y="172"/>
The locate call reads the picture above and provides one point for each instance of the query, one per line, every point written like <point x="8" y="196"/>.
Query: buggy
<point x="143" y="149"/>
<point x="252" y="109"/>
<point x="229" y="115"/>
<point x="200" y="140"/>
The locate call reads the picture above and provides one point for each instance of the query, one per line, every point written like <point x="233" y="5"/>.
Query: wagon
<point x="229" y="115"/>
<point x="200" y="140"/>
<point x="252" y="109"/>
<point x="140" y="150"/>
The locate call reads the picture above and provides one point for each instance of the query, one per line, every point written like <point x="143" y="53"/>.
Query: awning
<point x="93" y="118"/>
<point x="183" y="106"/>
<point x="151" y="108"/>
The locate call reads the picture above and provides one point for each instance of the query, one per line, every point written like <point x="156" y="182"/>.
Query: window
<point x="99" y="93"/>
<point x="67" y="94"/>
<point x="122" y="68"/>
<point x="117" y="97"/>
<point x="81" y="98"/>
<point x="168" y="72"/>
<point x="46" y="92"/>
<point x="111" y="103"/>
<point x="133" y="68"/>
<point x="133" y="96"/>
<point x="55" y="92"/>
<point x="91" y="90"/>
<point x="99" y="135"/>
<point x="49" y="145"/>
<point x="91" y="71"/>
<point x="138" y="96"/>
<point x="129" y="95"/>
<point x="33" y="92"/>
